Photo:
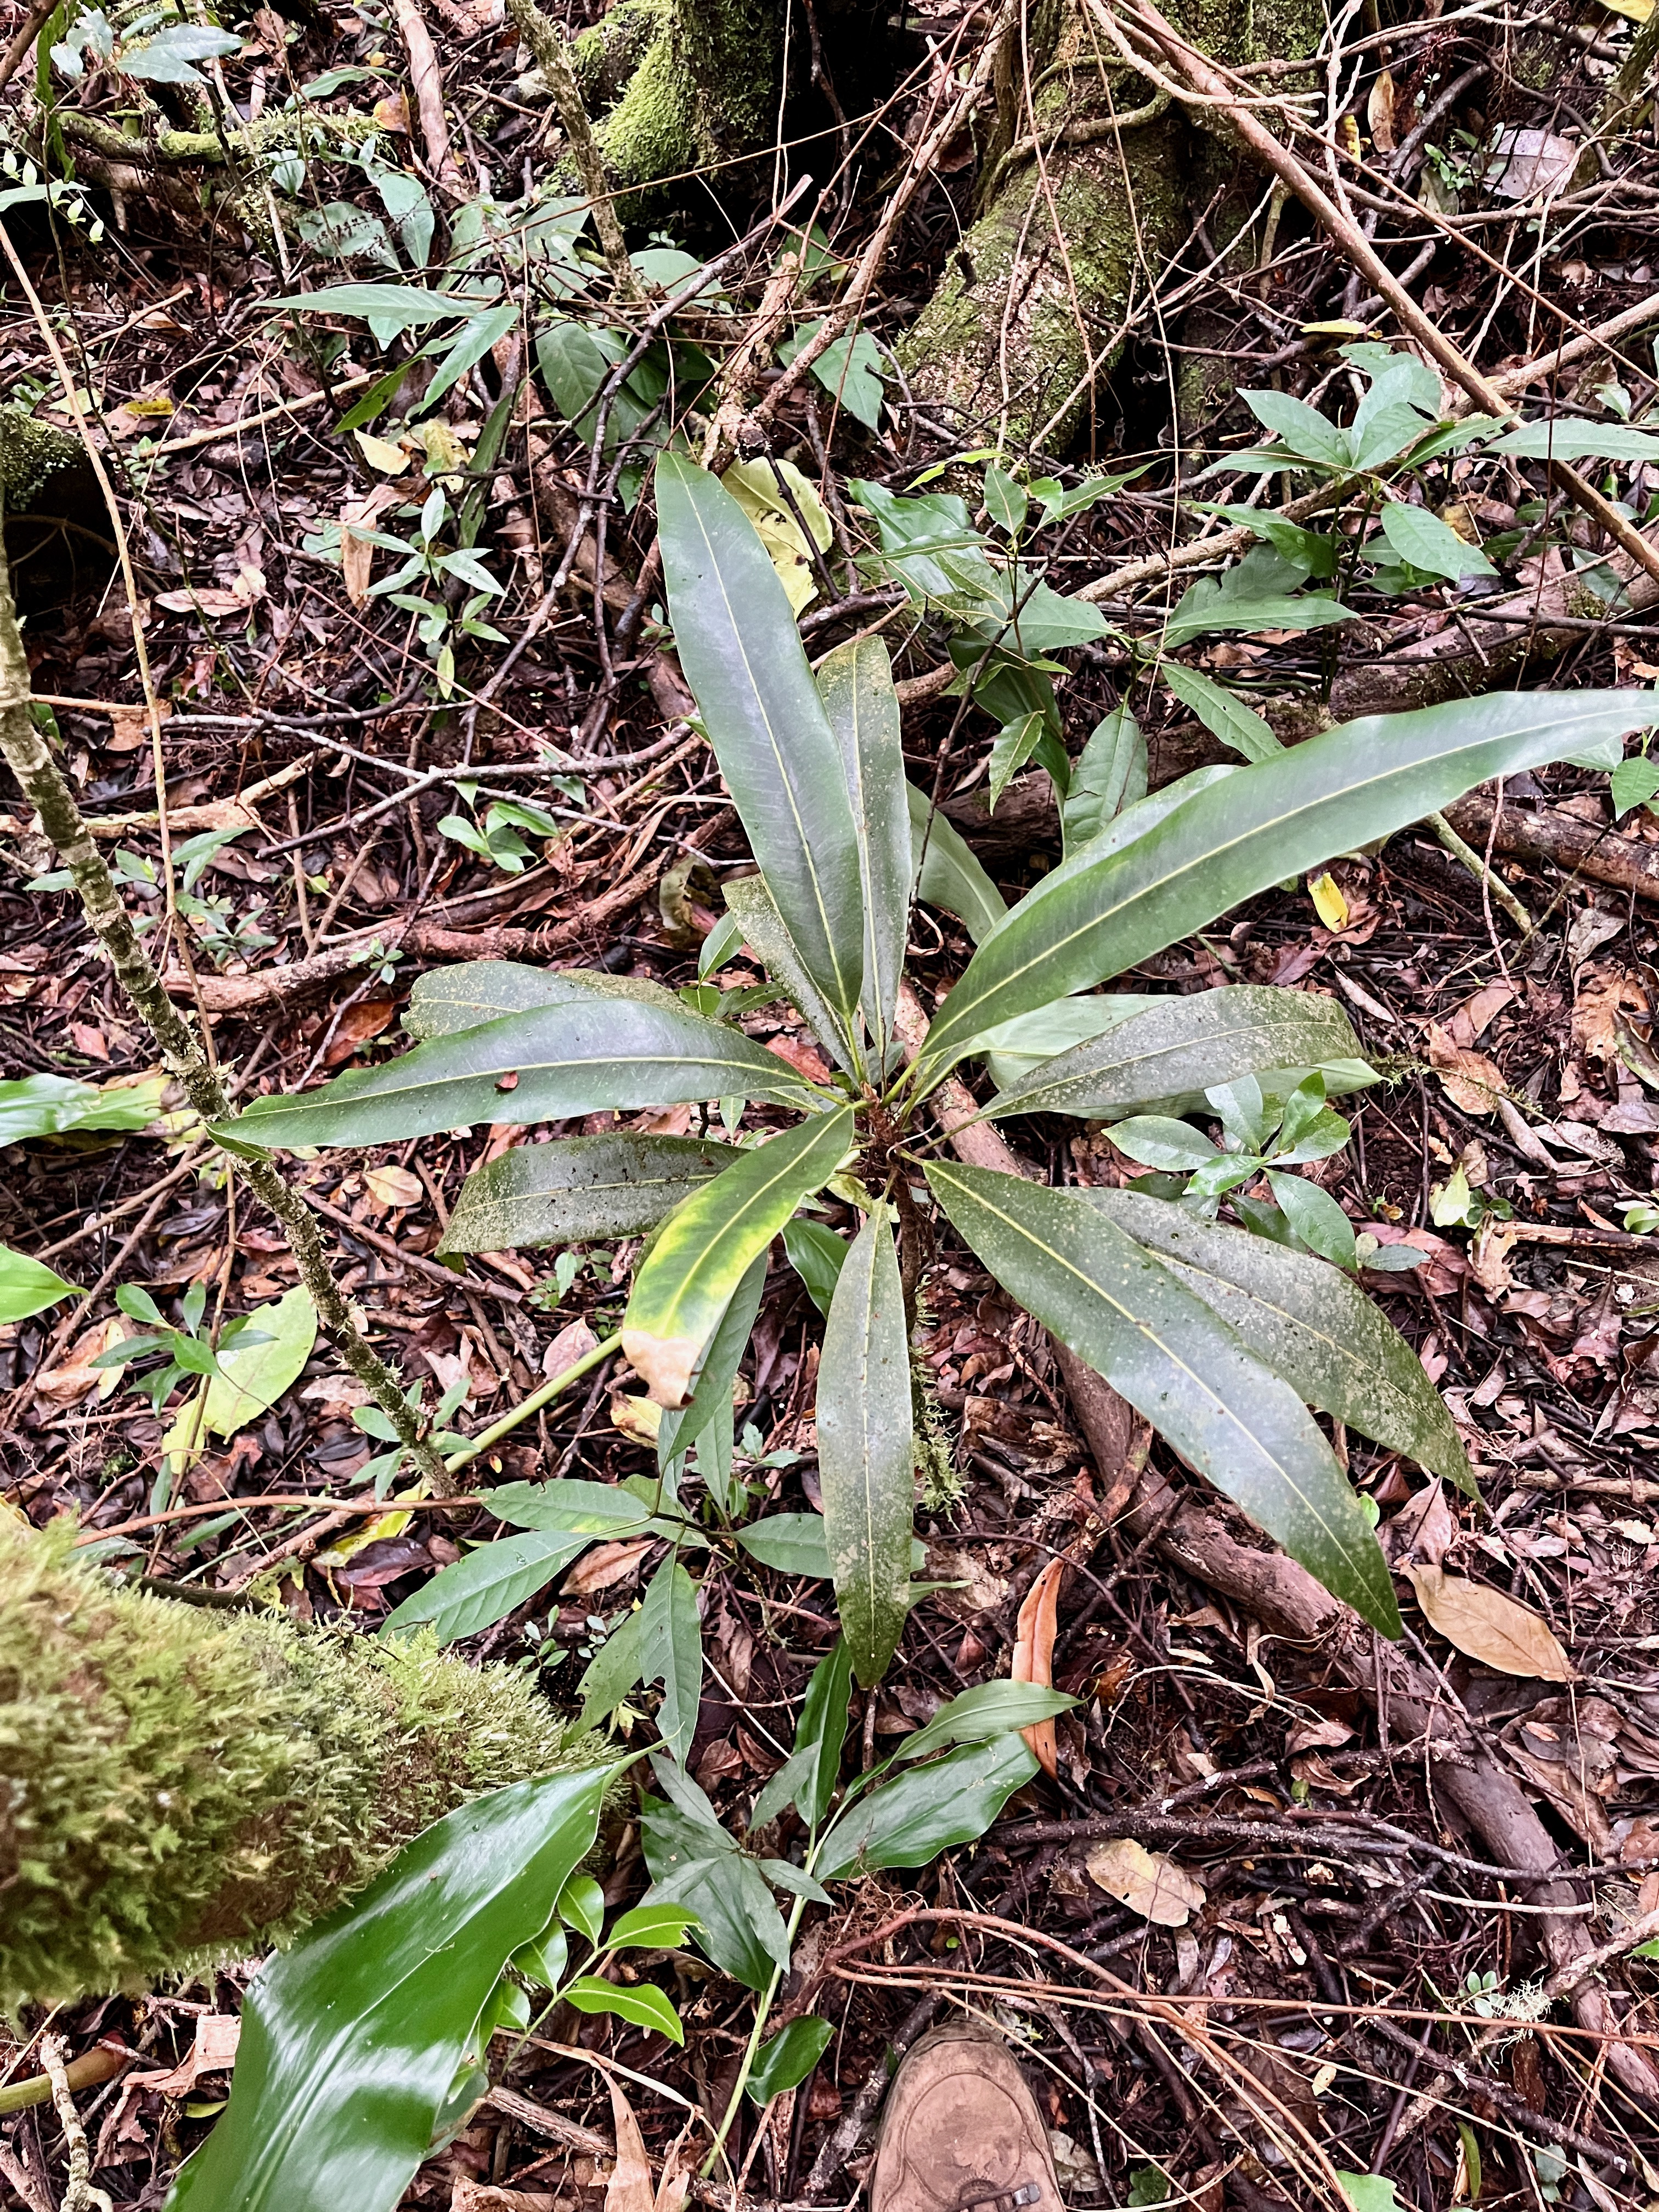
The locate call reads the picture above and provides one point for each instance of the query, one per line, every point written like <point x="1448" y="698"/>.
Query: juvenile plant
<point x="1223" y="1340"/>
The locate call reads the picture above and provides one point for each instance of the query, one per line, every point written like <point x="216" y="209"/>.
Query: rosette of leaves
<point x="1223" y="1339"/>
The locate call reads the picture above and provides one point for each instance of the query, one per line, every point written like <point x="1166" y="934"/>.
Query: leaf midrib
<point x="1070" y="1267"/>
<point x="952" y="1023"/>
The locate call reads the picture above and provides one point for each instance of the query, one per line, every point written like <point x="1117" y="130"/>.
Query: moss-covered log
<point x="1093" y="181"/>
<point x="180" y="1785"/>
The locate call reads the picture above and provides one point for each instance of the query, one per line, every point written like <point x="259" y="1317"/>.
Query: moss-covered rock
<point x="179" y="1785"/>
<point x="30" y="453"/>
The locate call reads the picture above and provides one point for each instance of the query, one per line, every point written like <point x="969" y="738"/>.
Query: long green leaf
<point x="866" y="1449"/>
<point x="947" y="873"/>
<point x="1310" y="1321"/>
<point x="755" y="910"/>
<point x="575" y="1508"/>
<point x="475" y="1592"/>
<point x="743" y="659"/>
<point x="578" y="1058"/>
<point x="477" y="991"/>
<point x="711" y="1401"/>
<point x="351" y="2041"/>
<point x="577" y="1189"/>
<point x="1178" y="1363"/>
<point x="1183" y="1045"/>
<point x="26" y="1287"/>
<point x="1347" y="788"/>
<point x="705" y="1248"/>
<point x="856" y="685"/>
<point x="670" y="1650"/>
<point x="927" y="1810"/>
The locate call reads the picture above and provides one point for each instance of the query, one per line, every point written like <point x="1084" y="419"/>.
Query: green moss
<point x="652" y="131"/>
<point x="177" y="1785"/>
<point x="605" y="56"/>
<point x="30" y="453"/>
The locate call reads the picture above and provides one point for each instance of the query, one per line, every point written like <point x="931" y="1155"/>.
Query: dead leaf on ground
<point x="1424" y="1530"/>
<point x="1148" y="1882"/>
<point x="573" y="1342"/>
<point x="469" y="2195"/>
<point x="630" y="2188"/>
<point x="1484" y="1624"/>
<point x="605" y="1564"/>
<point x="1604" y="996"/>
<point x="392" y="1187"/>
<point x="213" y="2050"/>
<point x="1318" y="1773"/>
<point x="1468" y="1020"/>
<point x="356" y="553"/>
<point x="1472" y="1082"/>
<point x="1034" y="1656"/>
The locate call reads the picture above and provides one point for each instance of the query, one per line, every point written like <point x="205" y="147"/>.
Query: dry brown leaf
<point x="212" y="2050"/>
<point x="630" y="2188"/>
<point x="1318" y="1735"/>
<point x="1424" y="1529"/>
<point x="356" y="554"/>
<point x="1484" y="1624"/>
<point x="1379" y="112"/>
<point x="1604" y="995"/>
<point x="678" y="2169"/>
<point x="470" y="2196"/>
<point x="1148" y="1882"/>
<point x="1470" y="1080"/>
<point x="393" y="1188"/>
<point x="605" y="1564"/>
<point x="1034" y="1656"/>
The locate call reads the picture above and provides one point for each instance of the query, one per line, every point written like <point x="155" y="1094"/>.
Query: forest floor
<point x="1372" y="1981"/>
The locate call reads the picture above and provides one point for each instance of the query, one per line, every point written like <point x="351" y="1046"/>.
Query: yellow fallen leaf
<point x="754" y="485"/>
<point x="393" y="1187"/>
<point x="1379" y="112"/>
<point x="380" y="453"/>
<point x="1484" y="1624"/>
<point x="1329" y="904"/>
<point x="1348" y="131"/>
<point x="1148" y="1882"/>
<point x="638" y="1419"/>
<point x="1637" y="11"/>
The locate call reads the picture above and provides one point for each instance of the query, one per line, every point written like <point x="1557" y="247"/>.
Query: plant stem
<point x="546" y="42"/>
<point x="533" y="1404"/>
<point x="44" y="789"/>
<point x="761" y="2012"/>
<point x="1477" y="868"/>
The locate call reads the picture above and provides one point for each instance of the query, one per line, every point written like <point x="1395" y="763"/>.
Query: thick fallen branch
<point x="1566" y="842"/>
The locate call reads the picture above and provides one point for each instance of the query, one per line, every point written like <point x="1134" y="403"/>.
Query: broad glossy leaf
<point x="789" y="1543"/>
<point x="1176" y="1361"/>
<point x="474" y="992"/>
<point x="1277" y="819"/>
<point x="252" y="1376"/>
<point x="486" y="1585"/>
<point x="743" y="659"/>
<point x="752" y="906"/>
<point x="651" y="1928"/>
<point x="575" y="1190"/>
<point x="1576" y="441"/>
<point x="822" y="1731"/>
<point x="784" y="2060"/>
<point x="705" y="1248"/>
<point x="581" y="1906"/>
<point x="1302" y="428"/>
<point x="1316" y="1218"/>
<point x="856" y="683"/>
<point x="1222" y="715"/>
<point x="991" y="1708"/>
<point x="26" y="1287"/>
<point x="867" y="1448"/>
<point x="818" y="1256"/>
<point x="351" y="2041"/>
<point x="1013" y="1051"/>
<point x="641" y="2004"/>
<point x="1110" y="774"/>
<point x="47" y="1105"/>
<point x="692" y="1860"/>
<point x="927" y="1810"/>
<point x="1415" y="535"/>
<point x="670" y="1650"/>
<point x="1183" y="1045"/>
<point x="947" y="873"/>
<point x="711" y="1400"/>
<point x="1310" y="1321"/>
<point x="573" y="1508"/>
<point x="579" y="1057"/>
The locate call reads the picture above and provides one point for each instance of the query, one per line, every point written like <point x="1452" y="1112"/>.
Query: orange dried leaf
<point x="1034" y="1656"/>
